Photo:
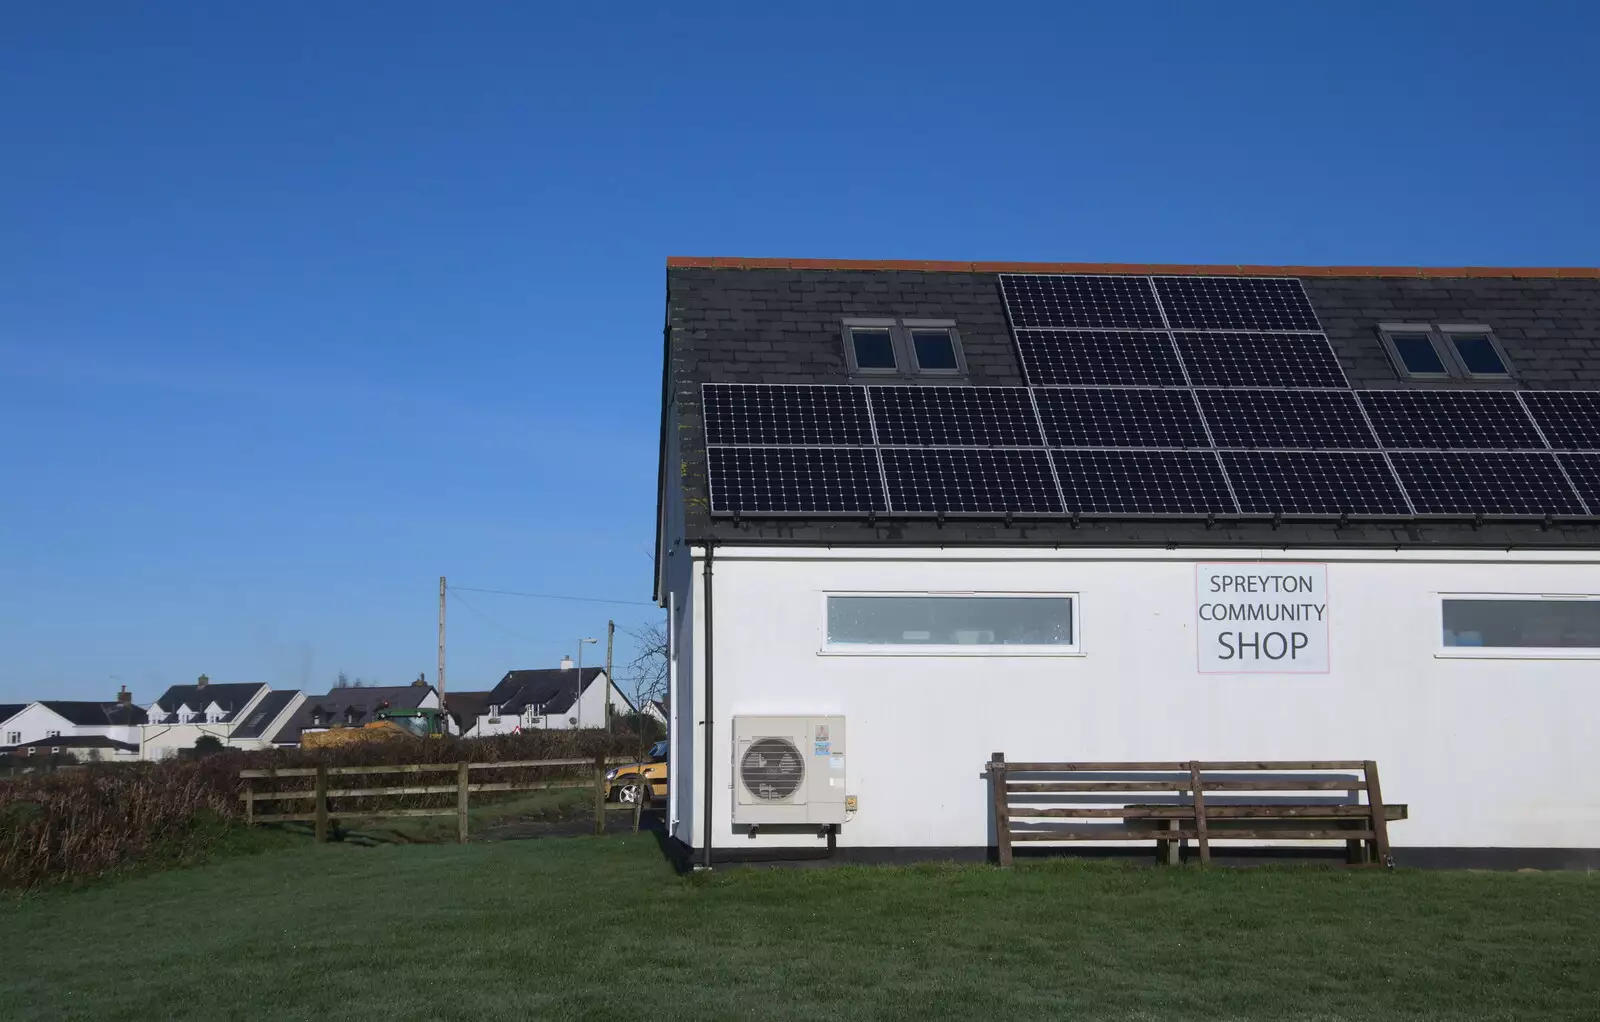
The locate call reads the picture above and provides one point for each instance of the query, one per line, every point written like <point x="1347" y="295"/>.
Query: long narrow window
<point x="1526" y="626"/>
<point x="950" y="623"/>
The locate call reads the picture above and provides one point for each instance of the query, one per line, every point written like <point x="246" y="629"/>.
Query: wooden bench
<point x="1173" y="803"/>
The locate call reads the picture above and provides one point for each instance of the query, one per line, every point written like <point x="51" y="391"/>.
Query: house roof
<point x="231" y="697"/>
<point x="352" y="706"/>
<point x="9" y="710"/>
<point x="95" y="714"/>
<point x="780" y="321"/>
<point x="74" y="742"/>
<point x="555" y="689"/>
<point x="466" y="707"/>
<point x="265" y="712"/>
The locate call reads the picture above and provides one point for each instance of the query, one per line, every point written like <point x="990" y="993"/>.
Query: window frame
<point x="1513" y="652"/>
<point x="851" y="325"/>
<point x="907" y="368"/>
<point x="1388" y="331"/>
<point x="1442" y="337"/>
<point x="1448" y="332"/>
<point x="52" y="734"/>
<point x="1074" y="649"/>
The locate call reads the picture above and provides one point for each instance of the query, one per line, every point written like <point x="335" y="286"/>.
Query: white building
<point x="1069" y="530"/>
<point x="185" y="713"/>
<point x="104" y="730"/>
<point x="354" y="706"/>
<point x="553" y="699"/>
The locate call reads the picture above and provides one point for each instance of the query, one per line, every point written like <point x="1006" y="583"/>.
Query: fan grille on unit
<point x="772" y="769"/>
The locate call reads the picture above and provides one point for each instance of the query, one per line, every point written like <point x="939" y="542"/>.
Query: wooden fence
<point x="462" y="786"/>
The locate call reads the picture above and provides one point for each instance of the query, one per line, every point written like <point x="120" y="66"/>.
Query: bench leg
<point x="1169" y="852"/>
<point x="1355" y="852"/>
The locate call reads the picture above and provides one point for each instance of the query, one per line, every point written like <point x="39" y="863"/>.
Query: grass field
<point x="602" y="928"/>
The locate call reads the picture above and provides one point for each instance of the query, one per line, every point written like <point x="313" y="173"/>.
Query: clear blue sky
<point x="303" y="305"/>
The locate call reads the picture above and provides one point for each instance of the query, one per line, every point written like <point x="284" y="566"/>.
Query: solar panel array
<point x="1160" y="396"/>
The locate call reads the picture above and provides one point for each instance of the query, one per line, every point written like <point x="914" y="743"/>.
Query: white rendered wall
<point x="1486" y="752"/>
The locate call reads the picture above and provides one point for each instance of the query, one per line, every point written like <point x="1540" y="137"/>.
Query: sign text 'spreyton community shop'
<point x="1256" y="618"/>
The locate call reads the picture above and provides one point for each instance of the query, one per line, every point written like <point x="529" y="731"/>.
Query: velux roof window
<point x="904" y="348"/>
<point x="1446" y="351"/>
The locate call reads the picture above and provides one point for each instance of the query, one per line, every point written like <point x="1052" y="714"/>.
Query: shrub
<point x="90" y="821"/>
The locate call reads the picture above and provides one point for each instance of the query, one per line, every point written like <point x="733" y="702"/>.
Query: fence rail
<point x="462" y="786"/>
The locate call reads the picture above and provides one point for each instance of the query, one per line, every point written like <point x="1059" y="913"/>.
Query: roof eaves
<point x="1158" y="269"/>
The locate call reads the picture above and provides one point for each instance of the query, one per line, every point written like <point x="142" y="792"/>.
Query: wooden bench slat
<point x="1283" y="764"/>
<point x="1097" y="768"/>
<point x="1104" y="834"/>
<point x="1094" y="786"/>
<point x="1281" y="784"/>
<point x="1394" y="811"/>
<point x="1102" y="812"/>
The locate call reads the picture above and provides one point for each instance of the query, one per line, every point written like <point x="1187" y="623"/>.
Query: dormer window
<point x="902" y="349"/>
<point x="318" y="718"/>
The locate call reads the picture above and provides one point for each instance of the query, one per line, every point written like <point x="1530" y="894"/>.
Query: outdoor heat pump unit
<point x="788" y="770"/>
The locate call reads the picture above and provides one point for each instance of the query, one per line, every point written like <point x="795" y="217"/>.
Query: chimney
<point x="566" y="663"/>
<point x="124" y="698"/>
<point x="202" y="682"/>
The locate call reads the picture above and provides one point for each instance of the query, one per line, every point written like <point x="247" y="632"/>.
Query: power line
<point x="509" y="631"/>
<point x="553" y="596"/>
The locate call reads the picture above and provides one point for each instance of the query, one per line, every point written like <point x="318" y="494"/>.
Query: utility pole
<point x="611" y="638"/>
<point x="443" y="709"/>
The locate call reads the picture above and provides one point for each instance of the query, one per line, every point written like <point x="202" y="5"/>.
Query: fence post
<point x="461" y="802"/>
<point x="600" y="793"/>
<point x="322" y="802"/>
<point x="1002" y="812"/>
<point x="249" y="802"/>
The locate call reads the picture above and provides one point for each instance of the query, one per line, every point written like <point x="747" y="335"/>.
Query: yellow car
<point x="628" y="782"/>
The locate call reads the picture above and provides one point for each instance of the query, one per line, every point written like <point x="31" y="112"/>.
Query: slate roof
<point x="780" y="321"/>
<point x="9" y="710"/>
<point x="351" y="707"/>
<point x="73" y="742"/>
<point x="466" y="707"/>
<point x="264" y="714"/>
<point x="231" y="697"/>
<point x="95" y="714"/>
<point x="554" y="689"/>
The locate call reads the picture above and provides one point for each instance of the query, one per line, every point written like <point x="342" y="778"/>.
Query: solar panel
<point x="1570" y="419"/>
<point x="785" y="414"/>
<point x="1236" y="303"/>
<point x="1086" y="301"/>
<point x="794" y="479"/>
<point x="955" y="416"/>
<point x="1099" y="357"/>
<point x="1450" y="419"/>
<point x="1259" y="360"/>
<point x="1485" y="482"/>
<point x="1313" y="483"/>
<point x="1584" y="471"/>
<point x="970" y="481"/>
<point x="1285" y="419"/>
<point x="1142" y="482"/>
<point x="1120" y="418"/>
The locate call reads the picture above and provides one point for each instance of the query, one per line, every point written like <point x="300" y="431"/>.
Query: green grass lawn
<point x="602" y="928"/>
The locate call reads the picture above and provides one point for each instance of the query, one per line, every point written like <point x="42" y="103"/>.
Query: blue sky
<point x="302" y="306"/>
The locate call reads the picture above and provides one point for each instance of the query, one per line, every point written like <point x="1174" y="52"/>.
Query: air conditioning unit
<point x="788" y="770"/>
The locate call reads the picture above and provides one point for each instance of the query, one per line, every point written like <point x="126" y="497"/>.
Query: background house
<point x="559" y="698"/>
<point x="350" y="707"/>
<point x="70" y="748"/>
<point x="186" y="712"/>
<point x="464" y="710"/>
<point x="1136" y="513"/>
<point x="118" y="720"/>
<point x="265" y="719"/>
